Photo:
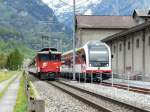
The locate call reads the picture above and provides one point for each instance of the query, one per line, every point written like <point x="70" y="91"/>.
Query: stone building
<point x="131" y="49"/>
<point x="99" y="27"/>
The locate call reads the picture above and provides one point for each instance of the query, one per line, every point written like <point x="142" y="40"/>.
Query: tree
<point x="3" y="60"/>
<point x="15" y="60"/>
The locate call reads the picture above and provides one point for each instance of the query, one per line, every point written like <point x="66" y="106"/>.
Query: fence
<point x="35" y="103"/>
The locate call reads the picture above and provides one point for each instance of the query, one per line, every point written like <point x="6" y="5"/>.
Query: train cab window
<point x="44" y="57"/>
<point x="129" y="45"/>
<point x="137" y="43"/>
<point x="55" y="57"/>
<point x="98" y="55"/>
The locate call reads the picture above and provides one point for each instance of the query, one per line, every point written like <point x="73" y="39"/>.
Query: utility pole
<point x="42" y="41"/>
<point x="74" y="38"/>
<point x="61" y="47"/>
<point x="45" y="39"/>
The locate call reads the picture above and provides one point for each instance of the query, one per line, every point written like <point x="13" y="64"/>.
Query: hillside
<point x="7" y="47"/>
<point x="30" y="19"/>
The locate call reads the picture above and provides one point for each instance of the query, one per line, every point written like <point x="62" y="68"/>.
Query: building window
<point x="129" y="45"/>
<point x="137" y="43"/>
<point x="120" y="47"/>
<point x="149" y="40"/>
<point x="114" y="48"/>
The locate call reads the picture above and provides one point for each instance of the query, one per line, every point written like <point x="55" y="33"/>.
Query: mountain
<point x="30" y="19"/>
<point x="95" y="7"/>
<point x="26" y="21"/>
<point x="119" y="7"/>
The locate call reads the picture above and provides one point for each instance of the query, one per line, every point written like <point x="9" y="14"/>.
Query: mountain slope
<point x="31" y="18"/>
<point x="9" y="46"/>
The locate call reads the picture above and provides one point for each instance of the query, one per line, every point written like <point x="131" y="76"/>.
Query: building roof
<point x="109" y="22"/>
<point x="124" y="33"/>
<point x="141" y="13"/>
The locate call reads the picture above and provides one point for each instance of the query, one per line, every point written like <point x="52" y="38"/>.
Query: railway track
<point x="131" y="88"/>
<point x="125" y="87"/>
<point x="97" y="101"/>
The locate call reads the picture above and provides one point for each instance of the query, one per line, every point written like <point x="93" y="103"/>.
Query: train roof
<point x="43" y="52"/>
<point x="68" y="52"/>
<point x="55" y="52"/>
<point x="48" y="49"/>
<point x="47" y="52"/>
<point x="92" y="42"/>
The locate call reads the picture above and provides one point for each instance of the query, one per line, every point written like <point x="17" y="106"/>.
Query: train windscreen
<point x="98" y="55"/>
<point x="44" y="57"/>
<point x="50" y="57"/>
<point x="55" y="57"/>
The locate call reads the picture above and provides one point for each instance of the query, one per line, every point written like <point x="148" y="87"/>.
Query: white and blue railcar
<point x="93" y="60"/>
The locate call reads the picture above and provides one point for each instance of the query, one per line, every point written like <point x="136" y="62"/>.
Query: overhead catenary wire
<point x="66" y="3"/>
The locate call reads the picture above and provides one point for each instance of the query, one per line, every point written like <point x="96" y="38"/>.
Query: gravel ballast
<point x="58" y="101"/>
<point x="136" y="99"/>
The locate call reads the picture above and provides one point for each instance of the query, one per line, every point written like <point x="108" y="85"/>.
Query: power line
<point x="66" y="3"/>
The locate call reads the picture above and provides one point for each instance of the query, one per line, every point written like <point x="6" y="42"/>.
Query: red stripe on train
<point x="98" y="71"/>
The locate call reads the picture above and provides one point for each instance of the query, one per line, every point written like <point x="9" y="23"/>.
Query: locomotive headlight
<point x="44" y="64"/>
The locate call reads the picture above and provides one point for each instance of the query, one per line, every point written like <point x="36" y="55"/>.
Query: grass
<point x="33" y="92"/>
<point x="21" y="102"/>
<point x="6" y="75"/>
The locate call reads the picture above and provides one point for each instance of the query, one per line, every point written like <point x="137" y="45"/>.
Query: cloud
<point x="81" y="6"/>
<point x="88" y="12"/>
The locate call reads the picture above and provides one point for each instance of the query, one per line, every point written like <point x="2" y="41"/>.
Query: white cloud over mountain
<point x="63" y="6"/>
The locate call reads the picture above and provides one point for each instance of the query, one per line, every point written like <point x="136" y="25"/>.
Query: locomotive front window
<point x="98" y="55"/>
<point x="44" y="57"/>
<point x="55" y="57"/>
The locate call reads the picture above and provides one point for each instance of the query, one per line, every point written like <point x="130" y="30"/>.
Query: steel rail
<point x="73" y="91"/>
<point x="80" y="97"/>
<point x="131" y="88"/>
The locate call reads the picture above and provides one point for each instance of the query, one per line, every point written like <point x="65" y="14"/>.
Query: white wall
<point x="121" y="57"/>
<point x="128" y="55"/>
<point x="114" y="53"/>
<point x="147" y="53"/>
<point x="85" y="35"/>
<point x="133" y="57"/>
<point x="138" y="53"/>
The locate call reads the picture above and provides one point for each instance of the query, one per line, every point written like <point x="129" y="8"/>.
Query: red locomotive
<point x="46" y="64"/>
